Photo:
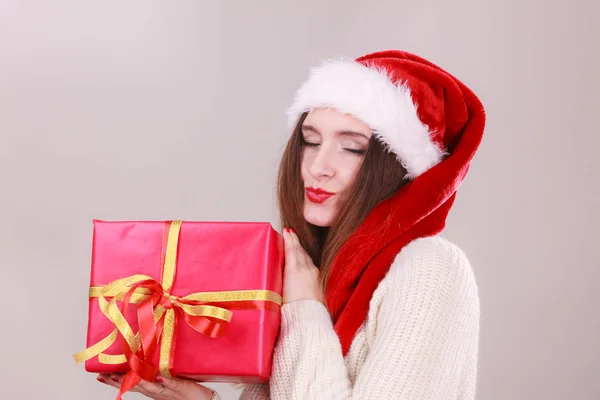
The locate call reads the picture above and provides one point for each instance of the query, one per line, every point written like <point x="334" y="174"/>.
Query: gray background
<point x="161" y="110"/>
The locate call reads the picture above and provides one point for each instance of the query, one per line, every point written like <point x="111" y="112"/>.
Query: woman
<point x="379" y="148"/>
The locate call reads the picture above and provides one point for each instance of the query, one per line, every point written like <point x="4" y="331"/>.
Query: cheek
<point x="347" y="175"/>
<point x="305" y="160"/>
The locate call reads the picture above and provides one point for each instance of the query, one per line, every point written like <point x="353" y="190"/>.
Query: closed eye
<point x="353" y="151"/>
<point x="304" y="142"/>
<point x="356" y="151"/>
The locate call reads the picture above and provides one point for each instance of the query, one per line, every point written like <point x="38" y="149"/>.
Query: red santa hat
<point x="433" y="123"/>
<point x="411" y="105"/>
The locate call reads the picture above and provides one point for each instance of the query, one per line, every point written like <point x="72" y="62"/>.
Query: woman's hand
<point x="165" y="389"/>
<point x="300" y="276"/>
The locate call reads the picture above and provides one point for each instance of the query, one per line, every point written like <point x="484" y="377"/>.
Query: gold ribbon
<point x="117" y="290"/>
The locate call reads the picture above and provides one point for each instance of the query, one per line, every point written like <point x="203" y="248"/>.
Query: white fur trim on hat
<point x="369" y="94"/>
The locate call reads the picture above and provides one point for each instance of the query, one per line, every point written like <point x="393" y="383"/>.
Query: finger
<point x="301" y="254"/>
<point x="290" y="250"/>
<point x="107" y="380"/>
<point x="149" y="389"/>
<point x="293" y="237"/>
<point x="183" y="388"/>
<point x="118" y="380"/>
<point x="155" y="390"/>
<point x="174" y="385"/>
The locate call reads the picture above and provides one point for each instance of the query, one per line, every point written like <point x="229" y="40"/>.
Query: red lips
<point x="317" y="195"/>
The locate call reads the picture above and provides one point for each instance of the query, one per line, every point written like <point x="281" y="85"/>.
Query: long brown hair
<point x="379" y="177"/>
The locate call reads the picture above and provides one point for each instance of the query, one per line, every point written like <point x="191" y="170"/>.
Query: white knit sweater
<point x="419" y="341"/>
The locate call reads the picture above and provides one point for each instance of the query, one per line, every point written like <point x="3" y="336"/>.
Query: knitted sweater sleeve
<point x="426" y="321"/>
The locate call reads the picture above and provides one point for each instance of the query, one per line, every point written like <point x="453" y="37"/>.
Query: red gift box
<point x="203" y="298"/>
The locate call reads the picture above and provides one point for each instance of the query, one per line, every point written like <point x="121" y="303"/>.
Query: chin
<point x="318" y="215"/>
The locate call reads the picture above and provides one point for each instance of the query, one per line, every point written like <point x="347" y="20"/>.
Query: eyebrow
<point x="344" y="132"/>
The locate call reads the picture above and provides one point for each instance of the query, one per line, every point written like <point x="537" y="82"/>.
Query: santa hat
<point x="433" y="123"/>
<point x="413" y="107"/>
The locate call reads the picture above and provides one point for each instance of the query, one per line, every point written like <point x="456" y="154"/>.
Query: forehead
<point x="329" y="120"/>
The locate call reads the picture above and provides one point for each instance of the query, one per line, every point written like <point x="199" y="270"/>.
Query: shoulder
<point x="433" y="249"/>
<point x="432" y="257"/>
<point x="432" y="271"/>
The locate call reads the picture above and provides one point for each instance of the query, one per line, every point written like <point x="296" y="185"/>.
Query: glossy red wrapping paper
<point x="211" y="256"/>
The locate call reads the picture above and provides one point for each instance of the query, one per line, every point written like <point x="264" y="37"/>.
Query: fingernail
<point x="293" y="230"/>
<point x="286" y="229"/>
<point x="159" y="379"/>
<point x="101" y="380"/>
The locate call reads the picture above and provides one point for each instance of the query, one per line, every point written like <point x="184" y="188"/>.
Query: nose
<point x="321" y="164"/>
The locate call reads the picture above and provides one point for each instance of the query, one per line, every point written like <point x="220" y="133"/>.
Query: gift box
<point x="196" y="300"/>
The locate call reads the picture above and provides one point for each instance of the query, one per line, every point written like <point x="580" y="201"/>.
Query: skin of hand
<point x="164" y="389"/>
<point x="300" y="275"/>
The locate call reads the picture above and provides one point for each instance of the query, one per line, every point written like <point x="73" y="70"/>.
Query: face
<point x="334" y="145"/>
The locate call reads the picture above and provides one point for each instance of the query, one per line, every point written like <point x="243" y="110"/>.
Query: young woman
<point x="376" y="304"/>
